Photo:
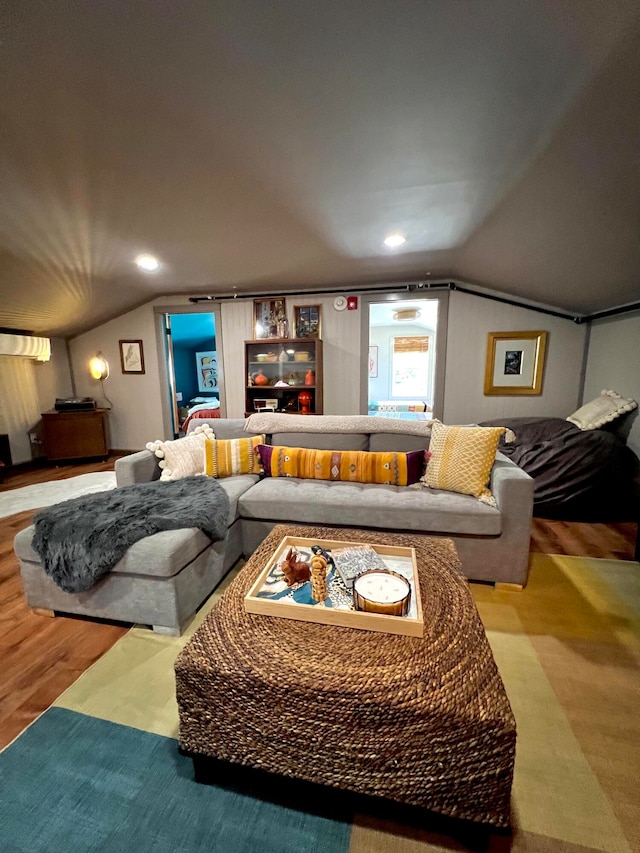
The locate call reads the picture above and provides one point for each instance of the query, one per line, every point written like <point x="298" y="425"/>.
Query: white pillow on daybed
<point x="605" y="408"/>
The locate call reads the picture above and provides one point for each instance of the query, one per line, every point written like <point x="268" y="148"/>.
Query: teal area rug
<point x="77" y="783"/>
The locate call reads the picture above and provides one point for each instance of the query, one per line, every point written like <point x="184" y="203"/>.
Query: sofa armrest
<point x="508" y="561"/>
<point x="511" y="487"/>
<point x="141" y="467"/>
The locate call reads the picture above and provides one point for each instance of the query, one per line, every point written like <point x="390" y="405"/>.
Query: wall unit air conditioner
<point x="25" y="346"/>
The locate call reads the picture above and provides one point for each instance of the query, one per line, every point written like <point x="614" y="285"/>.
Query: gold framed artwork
<point x="306" y="321"/>
<point x="131" y="356"/>
<point x="515" y="363"/>
<point x="270" y="318"/>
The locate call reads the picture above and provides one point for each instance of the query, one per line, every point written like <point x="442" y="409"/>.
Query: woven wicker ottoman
<point x="424" y="722"/>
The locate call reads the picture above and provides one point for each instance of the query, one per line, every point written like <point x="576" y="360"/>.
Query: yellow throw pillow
<point x="227" y="457"/>
<point x="462" y="458"/>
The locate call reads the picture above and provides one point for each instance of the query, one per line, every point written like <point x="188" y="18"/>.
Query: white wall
<point x="471" y="318"/>
<point x="137" y="415"/>
<point x="135" y="402"/>
<point x="614" y="363"/>
<point x="28" y="388"/>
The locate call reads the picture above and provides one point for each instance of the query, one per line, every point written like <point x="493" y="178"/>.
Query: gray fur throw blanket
<point x="82" y="539"/>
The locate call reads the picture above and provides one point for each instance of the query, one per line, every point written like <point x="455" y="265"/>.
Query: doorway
<point x="404" y="357"/>
<point x="193" y="369"/>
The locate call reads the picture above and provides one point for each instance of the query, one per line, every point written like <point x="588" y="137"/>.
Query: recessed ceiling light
<point x="148" y="263"/>
<point x="394" y="240"/>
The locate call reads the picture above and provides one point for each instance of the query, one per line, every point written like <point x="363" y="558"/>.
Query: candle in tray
<point x="382" y="591"/>
<point x="318" y="578"/>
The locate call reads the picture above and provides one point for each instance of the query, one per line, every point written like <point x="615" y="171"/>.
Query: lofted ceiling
<point x="257" y="145"/>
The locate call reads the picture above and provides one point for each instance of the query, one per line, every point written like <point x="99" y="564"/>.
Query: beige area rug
<point x="568" y="649"/>
<point x="53" y="491"/>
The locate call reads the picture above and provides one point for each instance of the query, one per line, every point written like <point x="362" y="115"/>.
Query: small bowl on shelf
<point x="301" y="355"/>
<point x="271" y="356"/>
<point x="261" y="356"/>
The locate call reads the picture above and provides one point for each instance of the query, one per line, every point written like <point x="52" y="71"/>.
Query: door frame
<point x="442" y="298"/>
<point x="160" y="311"/>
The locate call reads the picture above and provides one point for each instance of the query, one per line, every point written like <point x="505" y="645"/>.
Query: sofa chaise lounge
<point x="164" y="578"/>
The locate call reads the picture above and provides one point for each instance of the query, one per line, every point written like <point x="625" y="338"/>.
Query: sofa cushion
<point x="381" y="442"/>
<point x="360" y="466"/>
<point x="223" y="428"/>
<point x="322" y="440"/>
<point x="161" y="555"/>
<point x="233" y="456"/>
<point x="369" y="505"/>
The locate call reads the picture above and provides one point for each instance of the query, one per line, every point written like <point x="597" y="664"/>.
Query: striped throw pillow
<point x="462" y="458"/>
<point x="227" y="457"/>
<point x="356" y="466"/>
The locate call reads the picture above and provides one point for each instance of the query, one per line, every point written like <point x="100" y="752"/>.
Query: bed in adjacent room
<point x="199" y="407"/>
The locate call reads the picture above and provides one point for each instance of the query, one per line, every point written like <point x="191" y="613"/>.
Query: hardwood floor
<point x="40" y="657"/>
<point x="577" y="539"/>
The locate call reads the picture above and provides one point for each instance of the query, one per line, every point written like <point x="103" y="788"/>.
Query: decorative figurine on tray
<point x="294" y="569"/>
<point x="319" y="578"/>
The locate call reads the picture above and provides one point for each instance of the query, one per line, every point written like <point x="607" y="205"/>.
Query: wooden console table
<point x="75" y="435"/>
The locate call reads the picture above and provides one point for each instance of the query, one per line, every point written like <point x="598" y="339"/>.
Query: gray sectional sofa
<point x="163" y="579"/>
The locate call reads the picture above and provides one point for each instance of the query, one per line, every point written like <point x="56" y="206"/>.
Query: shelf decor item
<point x="131" y="356"/>
<point x="304" y="401"/>
<point x="515" y="363"/>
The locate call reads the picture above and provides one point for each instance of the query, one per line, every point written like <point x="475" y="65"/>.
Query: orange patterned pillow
<point x="356" y="466"/>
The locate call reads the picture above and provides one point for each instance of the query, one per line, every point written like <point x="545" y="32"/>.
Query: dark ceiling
<point x="273" y="144"/>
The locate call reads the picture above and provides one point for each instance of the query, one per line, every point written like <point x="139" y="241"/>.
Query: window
<point x="410" y="367"/>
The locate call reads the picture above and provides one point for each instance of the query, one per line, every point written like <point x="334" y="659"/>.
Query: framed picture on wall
<point x="306" y="321"/>
<point x="131" y="356"/>
<point x="515" y="363"/>
<point x="207" y="369"/>
<point x="270" y="318"/>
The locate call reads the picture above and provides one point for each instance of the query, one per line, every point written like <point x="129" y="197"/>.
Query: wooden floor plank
<point x="40" y="657"/>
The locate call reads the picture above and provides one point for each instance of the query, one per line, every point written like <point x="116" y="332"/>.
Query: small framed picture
<point x="515" y="363"/>
<point x="270" y="318"/>
<point x="131" y="356"/>
<point x="306" y="320"/>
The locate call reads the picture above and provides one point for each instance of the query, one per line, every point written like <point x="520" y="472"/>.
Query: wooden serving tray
<point x="411" y="625"/>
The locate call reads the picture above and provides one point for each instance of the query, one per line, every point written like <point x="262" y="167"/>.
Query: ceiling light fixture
<point x="148" y="263"/>
<point x="406" y="314"/>
<point x="394" y="240"/>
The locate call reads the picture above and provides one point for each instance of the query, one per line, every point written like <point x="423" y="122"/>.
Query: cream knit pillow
<point x="462" y="458"/>
<point x="605" y="408"/>
<point x="182" y="457"/>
